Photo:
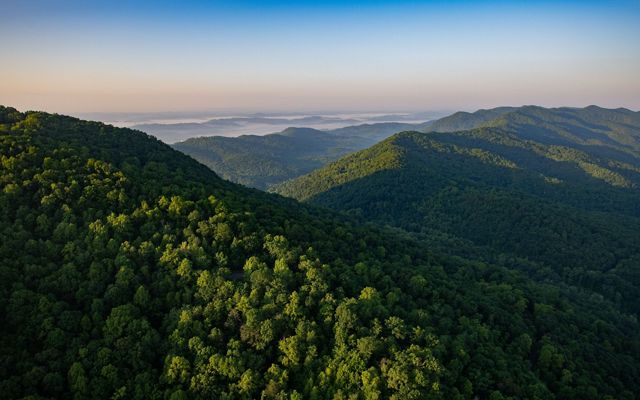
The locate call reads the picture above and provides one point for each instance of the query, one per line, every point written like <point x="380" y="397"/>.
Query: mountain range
<point x="130" y="270"/>
<point x="263" y="161"/>
<point x="232" y="126"/>
<point x="559" y="187"/>
<point x="268" y="160"/>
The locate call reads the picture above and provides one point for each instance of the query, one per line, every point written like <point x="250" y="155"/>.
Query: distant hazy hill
<point x="174" y="132"/>
<point x="262" y="161"/>
<point x="556" y="186"/>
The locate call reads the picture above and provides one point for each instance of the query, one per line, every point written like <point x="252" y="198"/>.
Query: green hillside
<point x="128" y="270"/>
<point x="463" y="120"/>
<point x="591" y="128"/>
<point x="566" y="201"/>
<point x="265" y="161"/>
<point x="262" y="161"/>
<point x="613" y="134"/>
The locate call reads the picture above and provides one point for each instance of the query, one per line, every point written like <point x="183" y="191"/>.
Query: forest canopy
<point x="129" y="270"/>
<point x="553" y="192"/>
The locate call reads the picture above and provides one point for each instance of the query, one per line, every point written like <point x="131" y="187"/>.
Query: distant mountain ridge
<point x="591" y="124"/>
<point x="173" y="132"/>
<point x="463" y="120"/>
<point x="267" y="161"/>
<point x="252" y="124"/>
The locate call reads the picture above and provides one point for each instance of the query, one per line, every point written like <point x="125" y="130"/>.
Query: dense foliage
<point x="263" y="161"/>
<point x="128" y="270"/>
<point x="462" y="120"/>
<point x="568" y="201"/>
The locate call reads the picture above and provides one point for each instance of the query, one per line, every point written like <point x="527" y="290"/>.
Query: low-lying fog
<point x="174" y="127"/>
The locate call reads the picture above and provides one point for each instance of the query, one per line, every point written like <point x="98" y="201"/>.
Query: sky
<point x="151" y="56"/>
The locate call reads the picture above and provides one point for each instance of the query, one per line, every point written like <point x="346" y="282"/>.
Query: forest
<point x="130" y="271"/>
<point x="264" y="161"/>
<point x="534" y="185"/>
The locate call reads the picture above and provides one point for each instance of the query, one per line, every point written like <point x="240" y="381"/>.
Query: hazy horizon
<point x="81" y="57"/>
<point x="173" y="127"/>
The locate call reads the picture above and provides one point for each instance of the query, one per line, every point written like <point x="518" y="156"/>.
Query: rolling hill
<point x="231" y="126"/>
<point x="463" y="120"/>
<point x="263" y="161"/>
<point x="129" y="270"/>
<point x="558" y="187"/>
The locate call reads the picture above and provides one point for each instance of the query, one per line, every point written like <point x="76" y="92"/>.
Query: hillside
<point x="592" y="128"/>
<point x="128" y="270"/>
<point x="613" y="134"/>
<point x="557" y="201"/>
<point x="463" y="120"/>
<point x="263" y="161"/>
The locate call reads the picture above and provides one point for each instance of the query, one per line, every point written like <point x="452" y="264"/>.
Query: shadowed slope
<point x="560" y="206"/>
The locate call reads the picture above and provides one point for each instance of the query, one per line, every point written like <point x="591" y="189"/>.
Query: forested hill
<point x="463" y="120"/>
<point x="556" y="187"/>
<point x="608" y="133"/>
<point x="262" y="161"/>
<point x="130" y="271"/>
<point x="591" y="127"/>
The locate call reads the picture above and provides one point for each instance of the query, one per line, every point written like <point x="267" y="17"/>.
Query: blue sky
<point x="83" y="56"/>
